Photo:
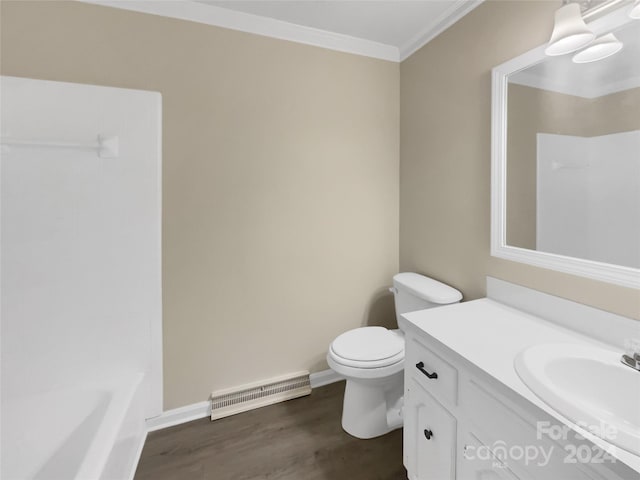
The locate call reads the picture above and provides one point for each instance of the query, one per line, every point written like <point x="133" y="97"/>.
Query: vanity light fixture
<point x="570" y="33"/>
<point x="635" y="10"/>
<point x="602" y="47"/>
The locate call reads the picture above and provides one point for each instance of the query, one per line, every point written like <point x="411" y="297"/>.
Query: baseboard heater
<point x="247" y="397"/>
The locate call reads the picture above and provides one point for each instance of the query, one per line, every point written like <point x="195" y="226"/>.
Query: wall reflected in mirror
<point x="573" y="156"/>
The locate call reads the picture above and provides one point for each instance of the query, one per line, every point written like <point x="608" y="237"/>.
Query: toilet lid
<point x="368" y="344"/>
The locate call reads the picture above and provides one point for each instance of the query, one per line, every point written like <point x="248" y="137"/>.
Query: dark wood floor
<point x="296" y="440"/>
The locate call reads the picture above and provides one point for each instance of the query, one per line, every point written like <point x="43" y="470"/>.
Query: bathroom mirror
<point x="566" y="159"/>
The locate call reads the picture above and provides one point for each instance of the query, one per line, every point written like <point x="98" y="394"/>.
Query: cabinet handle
<point x="428" y="434"/>
<point x="420" y="366"/>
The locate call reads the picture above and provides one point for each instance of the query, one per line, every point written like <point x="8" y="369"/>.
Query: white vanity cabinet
<point x="429" y="437"/>
<point x="461" y="424"/>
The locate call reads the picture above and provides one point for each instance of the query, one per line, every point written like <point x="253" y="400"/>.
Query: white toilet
<point x="372" y="359"/>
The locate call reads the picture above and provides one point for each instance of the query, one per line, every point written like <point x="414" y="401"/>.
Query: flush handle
<point x="420" y="366"/>
<point x="428" y="434"/>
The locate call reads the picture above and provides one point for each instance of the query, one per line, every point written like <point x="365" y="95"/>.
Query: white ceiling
<point x="386" y="29"/>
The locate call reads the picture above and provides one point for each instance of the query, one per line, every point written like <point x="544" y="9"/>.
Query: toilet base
<point x="373" y="407"/>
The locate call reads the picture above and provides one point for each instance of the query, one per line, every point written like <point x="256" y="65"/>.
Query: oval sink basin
<point x="589" y="386"/>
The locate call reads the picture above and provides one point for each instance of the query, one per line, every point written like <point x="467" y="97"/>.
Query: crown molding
<point x="245" y="22"/>
<point x="270" y="27"/>
<point x="455" y="12"/>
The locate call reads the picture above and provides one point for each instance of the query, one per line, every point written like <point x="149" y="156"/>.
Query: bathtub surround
<point x="81" y="285"/>
<point x="280" y="210"/>
<point x="589" y="197"/>
<point x="445" y="166"/>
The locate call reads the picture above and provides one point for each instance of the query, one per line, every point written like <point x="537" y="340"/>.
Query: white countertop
<point x="490" y="335"/>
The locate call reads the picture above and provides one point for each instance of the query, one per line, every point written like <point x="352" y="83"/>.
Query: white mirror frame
<point x="616" y="274"/>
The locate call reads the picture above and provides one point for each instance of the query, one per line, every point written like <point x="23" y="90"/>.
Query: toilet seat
<point x="368" y="347"/>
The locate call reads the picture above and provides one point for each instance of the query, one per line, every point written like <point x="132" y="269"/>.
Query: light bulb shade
<point x="635" y="10"/>
<point x="570" y="33"/>
<point x="602" y="47"/>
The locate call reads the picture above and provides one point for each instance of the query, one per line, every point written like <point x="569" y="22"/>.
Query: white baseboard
<point x="196" y="411"/>
<point x="170" y="418"/>
<point x="325" y="377"/>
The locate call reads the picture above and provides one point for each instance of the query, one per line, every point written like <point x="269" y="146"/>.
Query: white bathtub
<point x="84" y="433"/>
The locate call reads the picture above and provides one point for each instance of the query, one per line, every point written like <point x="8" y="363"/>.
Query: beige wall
<point x="280" y="222"/>
<point x="532" y="111"/>
<point x="445" y="157"/>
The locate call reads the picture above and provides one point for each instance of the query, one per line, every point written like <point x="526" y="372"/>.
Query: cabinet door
<point x="478" y="462"/>
<point x="429" y="436"/>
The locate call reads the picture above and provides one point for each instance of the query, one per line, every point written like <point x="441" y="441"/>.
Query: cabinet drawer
<point x="429" y="436"/>
<point x="437" y="376"/>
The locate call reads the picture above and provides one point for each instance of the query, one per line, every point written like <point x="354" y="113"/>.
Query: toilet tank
<point x="413" y="291"/>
